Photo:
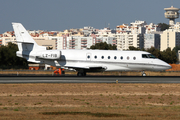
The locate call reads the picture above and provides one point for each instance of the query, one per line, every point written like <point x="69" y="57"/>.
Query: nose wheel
<point x="143" y="73"/>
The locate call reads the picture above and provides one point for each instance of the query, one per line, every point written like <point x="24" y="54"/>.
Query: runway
<point x="88" y="79"/>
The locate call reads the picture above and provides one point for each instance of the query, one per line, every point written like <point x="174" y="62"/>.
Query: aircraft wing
<point x="88" y="68"/>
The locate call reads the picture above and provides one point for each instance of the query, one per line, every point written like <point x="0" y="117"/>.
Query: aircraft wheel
<point x="78" y="74"/>
<point x="81" y="74"/>
<point x="144" y="74"/>
<point x="84" y="73"/>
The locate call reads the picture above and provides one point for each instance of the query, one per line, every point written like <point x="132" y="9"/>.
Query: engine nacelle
<point x="49" y="54"/>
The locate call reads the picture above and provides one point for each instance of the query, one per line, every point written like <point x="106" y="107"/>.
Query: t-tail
<point x="28" y="48"/>
<point x="24" y="40"/>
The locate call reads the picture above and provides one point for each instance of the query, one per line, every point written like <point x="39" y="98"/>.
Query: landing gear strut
<point x="81" y="74"/>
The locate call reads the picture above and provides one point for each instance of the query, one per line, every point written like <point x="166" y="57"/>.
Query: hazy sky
<point x="65" y="14"/>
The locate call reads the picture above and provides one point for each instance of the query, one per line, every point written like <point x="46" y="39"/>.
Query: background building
<point x="127" y="39"/>
<point x="170" y="38"/>
<point x="133" y="35"/>
<point x="151" y="40"/>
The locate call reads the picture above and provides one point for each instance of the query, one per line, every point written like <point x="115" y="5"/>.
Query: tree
<point x="133" y="48"/>
<point x="155" y="52"/>
<point x="163" y="26"/>
<point x="176" y="48"/>
<point x="136" y="49"/>
<point x="8" y="58"/>
<point x="169" y="56"/>
<point x="103" y="46"/>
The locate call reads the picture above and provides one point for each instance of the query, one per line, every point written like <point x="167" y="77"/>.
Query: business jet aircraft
<point x="84" y="61"/>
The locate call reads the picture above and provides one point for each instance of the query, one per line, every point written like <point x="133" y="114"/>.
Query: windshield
<point x="148" y="56"/>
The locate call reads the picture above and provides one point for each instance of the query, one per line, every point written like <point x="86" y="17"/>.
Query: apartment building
<point x="88" y="30"/>
<point x="106" y="35"/>
<point x="8" y="37"/>
<point x="125" y="40"/>
<point x="151" y="40"/>
<point x="170" y="38"/>
<point x="77" y="42"/>
<point x="176" y="26"/>
<point x="41" y="40"/>
<point x="151" y="28"/>
<point x="133" y="35"/>
<point x="138" y="27"/>
<point x="75" y="39"/>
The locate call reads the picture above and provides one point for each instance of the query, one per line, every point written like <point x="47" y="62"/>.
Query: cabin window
<point x="95" y="56"/>
<point x="115" y="57"/>
<point x="127" y="57"/>
<point x="102" y="57"/>
<point x="109" y="57"/>
<point x="88" y="56"/>
<point x="134" y="58"/>
<point x="121" y="57"/>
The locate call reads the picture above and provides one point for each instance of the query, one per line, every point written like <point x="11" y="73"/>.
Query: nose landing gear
<point x="143" y="73"/>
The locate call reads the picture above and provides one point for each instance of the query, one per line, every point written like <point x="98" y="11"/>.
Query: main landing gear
<point x="81" y="74"/>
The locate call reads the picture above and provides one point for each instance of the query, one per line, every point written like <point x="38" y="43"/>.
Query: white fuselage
<point x="111" y="60"/>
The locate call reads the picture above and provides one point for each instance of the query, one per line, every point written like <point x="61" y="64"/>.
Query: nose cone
<point x="166" y="65"/>
<point x="169" y="66"/>
<point x="161" y="65"/>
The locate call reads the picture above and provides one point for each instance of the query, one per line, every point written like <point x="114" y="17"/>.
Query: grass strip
<point x="86" y="113"/>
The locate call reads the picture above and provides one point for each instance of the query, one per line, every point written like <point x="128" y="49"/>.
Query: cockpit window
<point x="144" y="56"/>
<point x="148" y="56"/>
<point x="151" y="56"/>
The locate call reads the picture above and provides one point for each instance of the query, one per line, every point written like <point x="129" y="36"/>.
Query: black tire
<point x="81" y="74"/>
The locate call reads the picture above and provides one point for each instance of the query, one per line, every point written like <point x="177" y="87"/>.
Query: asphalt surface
<point x="88" y="79"/>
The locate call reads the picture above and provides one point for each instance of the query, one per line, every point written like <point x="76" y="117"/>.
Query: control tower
<point x="171" y="14"/>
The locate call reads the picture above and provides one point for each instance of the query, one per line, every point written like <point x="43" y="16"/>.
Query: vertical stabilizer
<point x="24" y="40"/>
